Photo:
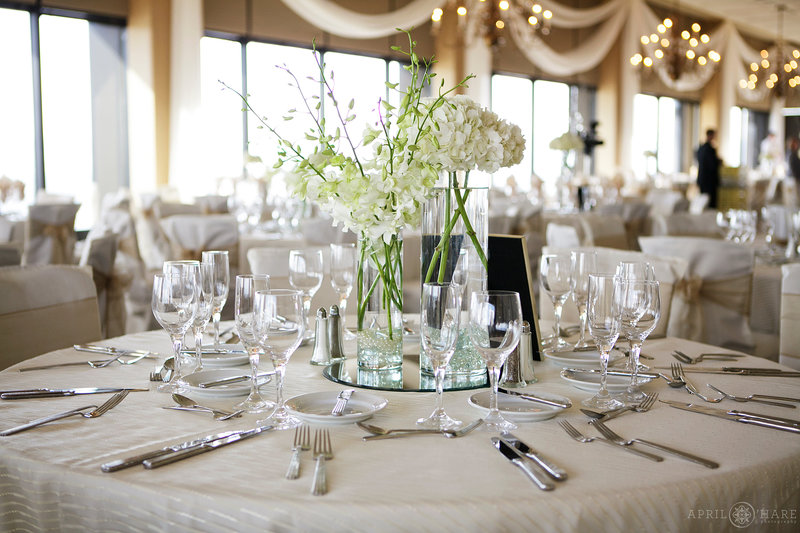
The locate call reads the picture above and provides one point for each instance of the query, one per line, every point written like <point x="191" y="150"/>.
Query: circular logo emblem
<point x="742" y="514"/>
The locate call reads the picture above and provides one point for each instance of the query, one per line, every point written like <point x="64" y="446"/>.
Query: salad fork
<point x="323" y="451"/>
<point x="580" y="437"/>
<point x="642" y="407"/>
<point x="683" y="358"/>
<point x="758" y="398"/>
<point x="302" y="442"/>
<point x="678" y="374"/>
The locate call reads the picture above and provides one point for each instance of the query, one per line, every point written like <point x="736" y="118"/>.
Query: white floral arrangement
<point x="567" y="141"/>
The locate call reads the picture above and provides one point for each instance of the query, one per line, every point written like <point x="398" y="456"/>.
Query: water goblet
<point x="190" y="268"/>
<point x="173" y="305"/>
<point x="603" y="319"/>
<point x="439" y="323"/>
<point x="582" y="264"/>
<point x="222" y="278"/>
<point x="554" y="273"/>
<point x="279" y="328"/>
<point x="244" y="303"/>
<point x="305" y="274"/>
<point x="495" y="323"/>
<point x="640" y="309"/>
<point x="343" y="272"/>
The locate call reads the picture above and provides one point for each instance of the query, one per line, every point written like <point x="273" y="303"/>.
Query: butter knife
<point x="537" y="399"/>
<point x="521" y="462"/>
<point x="203" y="448"/>
<point x="552" y="470"/>
<point x="58" y="393"/>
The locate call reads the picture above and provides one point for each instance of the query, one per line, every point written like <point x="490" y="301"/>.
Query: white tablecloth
<point x="50" y="477"/>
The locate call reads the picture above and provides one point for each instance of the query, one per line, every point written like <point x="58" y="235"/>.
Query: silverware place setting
<point x="323" y="451"/>
<point x="683" y="358"/>
<point x="187" y="404"/>
<point x="778" y="401"/>
<point x="379" y="433"/>
<point x="575" y="434"/>
<point x="641" y="407"/>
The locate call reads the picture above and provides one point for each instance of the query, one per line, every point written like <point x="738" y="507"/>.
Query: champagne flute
<point x="582" y="264"/>
<point x="634" y="270"/>
<point x="554" y="273"/>
<point x="305" y="274"/>
<point x="439" y="323"/>
<point x="343" y="272"/>
<point x="222" y="279"/>
<point x="279" y="328"/>
<point x="495" y="322"/>
<point x="205" y="294"/>
<point x="190" y="268"/>
<point x="173" y="305"/>
<point x="246" y="288"/>
<point x="640" y="307"/>
<point x="603" y="319"/>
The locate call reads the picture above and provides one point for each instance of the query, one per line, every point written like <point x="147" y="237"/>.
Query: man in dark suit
<point x="708" y="168"/>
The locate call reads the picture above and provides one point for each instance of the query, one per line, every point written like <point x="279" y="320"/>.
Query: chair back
<point x="100" y="254"/>
<point x="562" y="236"/>
<point x="712" y="304"/>
<point x="607" y="231"/>
<point x="50" y="234"/>
<point x="189" y="235"/>
<point x="790" y="316"/>
<point x="45" y="308"/>
<point x="687" y="224"/>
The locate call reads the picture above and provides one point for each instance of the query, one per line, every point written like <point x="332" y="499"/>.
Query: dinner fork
<point x="614" y="437"/>
<point x="322" y="451"/>
<point x="96" y="412"/>
<point x="683" y="358"/>
<point x="679" y="374"/>
<point x="642" y="407"/>
<point x="753" y="398"/>
<point x="580" y="437"/>
<point x="302" y="442"/>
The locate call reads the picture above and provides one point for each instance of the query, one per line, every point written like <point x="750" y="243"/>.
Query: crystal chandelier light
<point x="778" y="72"/>
<point x="493" y="16"/>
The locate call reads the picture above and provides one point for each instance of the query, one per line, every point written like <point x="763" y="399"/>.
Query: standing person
<point x="794" y="158"/>
<point x="708" y="168"/>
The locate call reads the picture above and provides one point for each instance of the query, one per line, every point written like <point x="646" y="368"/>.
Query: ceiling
<point x="758" y="18"/>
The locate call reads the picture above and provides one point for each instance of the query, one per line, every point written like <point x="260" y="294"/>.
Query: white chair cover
<point x="669" y="271"/>
<point x="663" y="201"/>
<point x="605" y="230"/>
<point x="100" y="253"/>
<point x="778" y="216"/>
<point x="213" y="204"/>
<point x="698" y="204"/>
<point x="47" y="198"/>
<point x="790" y="316"/>
<point x="687" y="224"/>
<point x="321" y="231"/>
<point x="561" y="236"/>
<point x="50" y="234"/>
<point x="712" y="303"/>
<point x="45" y="308"/>
<point x="168" y="209"/>
<point x="189" y="235"/>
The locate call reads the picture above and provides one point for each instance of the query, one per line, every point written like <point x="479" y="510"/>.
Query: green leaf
<point x="278" y="163"/>
<point x="351" y="104"/>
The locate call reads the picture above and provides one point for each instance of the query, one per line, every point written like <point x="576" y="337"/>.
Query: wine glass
<point x="603" y="319"/>
<point x="343" y="272"/>
<point x="582" y="264"/>
<point x="554" y="273"/>
<point x="439" y="322"/>
<point x="640" y="309"/>
<point x="222" y="278"/>
<point x="204" y="304"/>
<point x="634" y="270"/>
<point x="279" y="328"/>
<point x="495" y="322"/>
<point x="246" y="288"/>
<point x="189" y="268"/>
<point x="305" y="274"/>
<point x="173" y="305"/>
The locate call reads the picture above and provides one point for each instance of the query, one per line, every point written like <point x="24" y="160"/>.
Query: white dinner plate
<point x="590" y="381"/>
<point x="580" y="359"/>
<point x="237" y="356"/>
<point x="315" y="407"/>
<point x="242" y="388"/>
<point x="519" y="409"/>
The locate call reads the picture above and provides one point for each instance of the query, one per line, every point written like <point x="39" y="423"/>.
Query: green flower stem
<point x="392" y="293"/>
<point x="469" y="229"/>
<point x="438" y="250"/>
<point x="446" y="242"/>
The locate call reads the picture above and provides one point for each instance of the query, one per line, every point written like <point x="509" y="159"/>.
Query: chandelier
<point x="676" y="51"/>
<point x="489" y="18"/>
<point x="779" y="74"/>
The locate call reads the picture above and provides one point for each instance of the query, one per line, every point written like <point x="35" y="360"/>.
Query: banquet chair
<point x="213" y="204"/>
<point x="189" y="235"/>
<point x="686" y="224"/>
<point x="712" y="304"/>
<point x="607" y="231"/>
<point x="321" y="231"/>
<point x="99" y="253"/>
<point x="562" y="236"/>
<point x="699" y="203"/>
<point x="50" y="234"/>
<point x="663" y="201"/>
<point x="790" y="316"/>
<point x="45" y="308"/>
<point x="669" y="272"/>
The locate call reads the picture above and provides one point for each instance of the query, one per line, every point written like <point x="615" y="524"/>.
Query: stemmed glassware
<point x="173" y="304"/>
<point x="305" y="274"/>
<point x="191" y="269"/>
<point x="634" y="270"/>
<point x="279" y="328"/>
<point x="582" y="264"/>
<point x="495" y="323"/>
<point x="603" y="319"/>
<point x="244" y="314"/>
<point x="343" y="272"/>
<point x="439" y="324"/>
<point x="222" y="279"/>
<point x="640" y="309"/>
<point x="554" y="273"/>
<point x="205" y="294"/>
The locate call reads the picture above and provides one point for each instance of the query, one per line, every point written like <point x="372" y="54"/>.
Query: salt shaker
<point x="526" y="354"/>
<point x="335" y="333"/>
<point x="322" y="350"/>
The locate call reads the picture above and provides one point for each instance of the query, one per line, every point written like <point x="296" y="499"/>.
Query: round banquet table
<point x="50" y="477"/>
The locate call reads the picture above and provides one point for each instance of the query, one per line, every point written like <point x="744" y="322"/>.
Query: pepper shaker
<point x="335" y="333"/>
<point x="322" y="350"/>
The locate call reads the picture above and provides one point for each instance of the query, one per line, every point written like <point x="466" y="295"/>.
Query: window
<point x="512" y="98"/>
<point x="551" y="115"/>
<point x="657" y="142"/>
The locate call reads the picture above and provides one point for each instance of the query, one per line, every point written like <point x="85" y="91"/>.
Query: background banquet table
<point x="50" y="477"/>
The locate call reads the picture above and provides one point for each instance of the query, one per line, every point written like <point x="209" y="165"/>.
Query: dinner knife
<point x="128" y="462"/>
<point x="740" y="371"/>
<point x="721" y="413"/>
<point x="552" y="470"/>
<point x="110" y="350"/>
<point x="521" y="462"/>
<point x="237" y="379"/>
<point x="533" y="398"/>
<point x="203" y="448"/>
<point x="58" y="393"/>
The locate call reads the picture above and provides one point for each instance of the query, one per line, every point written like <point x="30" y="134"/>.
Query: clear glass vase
<point x="454" y="250"/>
<point x="380" y="304"/>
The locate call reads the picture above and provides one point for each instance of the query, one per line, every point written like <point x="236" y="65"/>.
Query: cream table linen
<point x="50" y="477"/>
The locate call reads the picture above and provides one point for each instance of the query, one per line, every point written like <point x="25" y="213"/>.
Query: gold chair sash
<point x="62" y="237"/>
<point x="733" y="293"/>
